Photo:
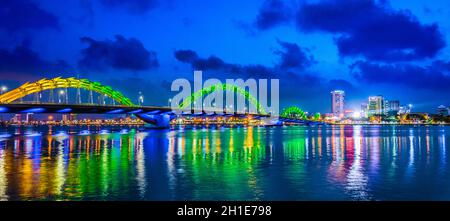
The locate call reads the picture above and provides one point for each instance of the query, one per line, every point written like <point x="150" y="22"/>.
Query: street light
<point x="4" y="88"/>
<point x="61" y="94"/>
<point x="141" y="100"/>
<point x="169" y="102"/>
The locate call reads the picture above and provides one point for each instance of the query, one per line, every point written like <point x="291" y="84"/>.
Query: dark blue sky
<point x="398" y="49"/>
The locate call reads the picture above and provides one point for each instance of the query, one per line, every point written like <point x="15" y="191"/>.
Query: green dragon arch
<point x="293" y="112"/>
<point x="225" y="87"/>
<point x="49" y="84"/>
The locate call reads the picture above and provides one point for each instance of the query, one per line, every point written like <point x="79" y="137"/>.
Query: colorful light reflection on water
<point x="254" y="163"/>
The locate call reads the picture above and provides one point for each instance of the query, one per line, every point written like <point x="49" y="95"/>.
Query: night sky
<point x="398" y="49"/>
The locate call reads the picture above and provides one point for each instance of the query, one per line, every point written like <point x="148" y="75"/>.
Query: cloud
<point x="341" y="84"/>
<point x="441" y="65"/>
<point x="210" y="63"/>
<point x="291" y="56"/>
<point x="132" y="6"/>
<point x="294" y="56"/>
<point x="23" y="14"/>
<point x="372" y="29"/>
<point x="23" y="60"/>
<point x="186" y="56"/>
<point x="254" y="71"/>
<point x="120" y="54"/>
<point x="214" y="63"/>
<point x="273" y="13"/>
<point x="434" y="77"/>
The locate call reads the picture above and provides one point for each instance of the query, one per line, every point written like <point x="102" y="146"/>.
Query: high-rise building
<point x="68" y="117"/>
<point x="443" y="110"/>
<point x="337" y="103"/>
<point x="17" y="118"/>
<point x="28" y="117"/>
<point x="385" y="106"/>
<point x="405" y="109"/>
<point x="394" y="107"/>
<point x="376" y="105"/>
<point x="363" y="110"/>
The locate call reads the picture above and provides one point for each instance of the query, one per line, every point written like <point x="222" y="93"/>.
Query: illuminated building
<point x="363" y="110"/>
<point x="68" y="117"/>
<point x="17" y="118"/>
<point x="385" y="106"/>
<point x="348" y="113"/>
<point x="375" y="105"/>
<point x="405" y="109"/>
<point x="394" y="107"/>
<point x="28" y="117"/>
<point x="443" y="110"/>
<point x="337" y="103"/>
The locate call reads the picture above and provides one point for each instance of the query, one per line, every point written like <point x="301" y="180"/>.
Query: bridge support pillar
<point x="159" y="121"/>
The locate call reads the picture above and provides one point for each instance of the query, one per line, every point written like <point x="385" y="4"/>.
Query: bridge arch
<point x="49" y="84"/>
<point x="293" y="112"/>
<point x="225" y="87"/>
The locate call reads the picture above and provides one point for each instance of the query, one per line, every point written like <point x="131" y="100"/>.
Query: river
<point x="244" y="163"/>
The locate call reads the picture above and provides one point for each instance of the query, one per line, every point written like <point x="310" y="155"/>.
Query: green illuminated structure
<point x="293" y="112"/>
<point x="225" y="87"/>
<point x="317" y="116"/>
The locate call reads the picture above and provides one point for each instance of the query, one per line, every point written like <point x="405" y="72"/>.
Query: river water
<point x="244" y="163"/>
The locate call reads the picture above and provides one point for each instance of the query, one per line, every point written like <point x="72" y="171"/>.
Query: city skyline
<point x="43" y="92"/>
<point x="374" y="105"/>
<point x="401" y="52"/>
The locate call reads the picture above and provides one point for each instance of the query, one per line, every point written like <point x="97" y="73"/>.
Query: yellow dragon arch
<point x="49" y="84"/>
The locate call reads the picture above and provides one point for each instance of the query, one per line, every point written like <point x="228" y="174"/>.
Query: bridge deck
<point x="107" y="109"/>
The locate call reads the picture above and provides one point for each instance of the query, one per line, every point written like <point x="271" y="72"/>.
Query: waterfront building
<point x="348" y="113"/>
<point x="402" y="110"/>
<point x="337" y="103"/>
<point x="394" y="107"/>
<point x="376" y="105"/>
<point x="385" y="106"/>
<point x="443" y="110"/>
<point x="28" y="117"/>
<point x="17" y="118"/>
<point x="364" y="110"/>
<point x="405" y="109"/>
<point x="409" y="108"/>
